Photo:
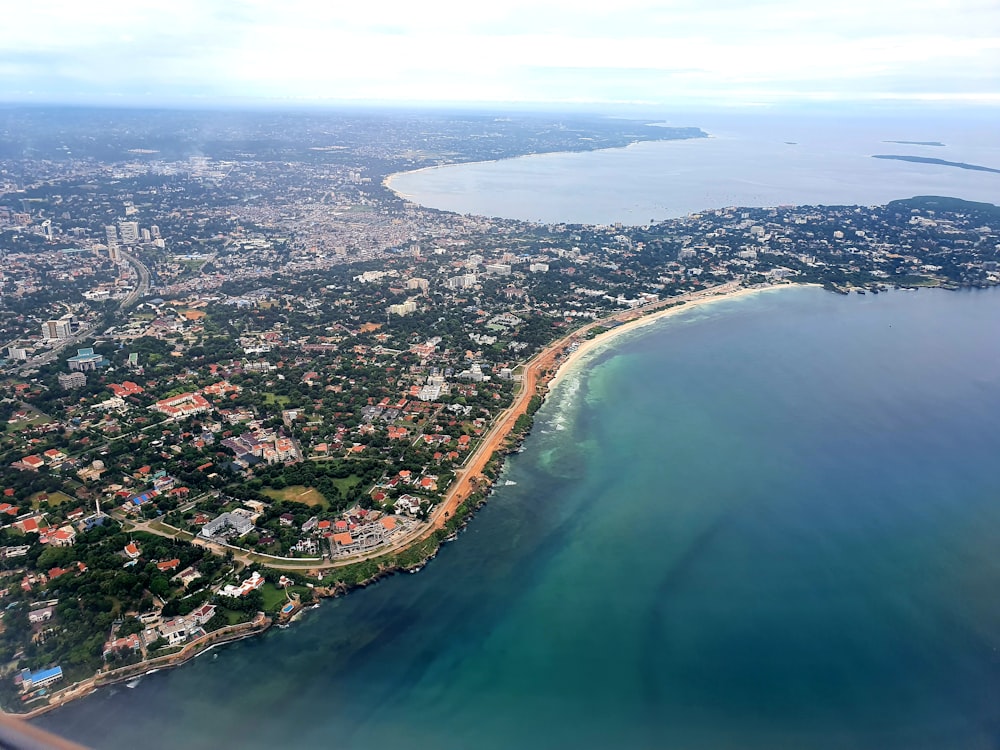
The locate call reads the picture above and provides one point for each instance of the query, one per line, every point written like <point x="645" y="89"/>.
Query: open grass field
<point x="346" y="483"/>
<point x="299" y="494"/>
<point x="55" y="498"/>
<point x="272" y="398"/>
<point x="273" y="597"/>
<point x="34" y="419"/>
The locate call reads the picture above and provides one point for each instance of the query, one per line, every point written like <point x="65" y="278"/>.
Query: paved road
<point x="537" y="372"/>
<point x="140" y="291"/>
<point x="142" y="288"/>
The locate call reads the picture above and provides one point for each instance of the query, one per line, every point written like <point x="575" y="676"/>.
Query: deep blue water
<point x="764" y="523"/>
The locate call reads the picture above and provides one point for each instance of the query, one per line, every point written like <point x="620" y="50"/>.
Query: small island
<point x="939" y="162"/>
<point x="917" y="143"/>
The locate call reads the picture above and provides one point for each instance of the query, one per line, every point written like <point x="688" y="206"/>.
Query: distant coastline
<point x="917" y="143"/>
<point x="388" y="180"/>
<point x="939" y="162"/>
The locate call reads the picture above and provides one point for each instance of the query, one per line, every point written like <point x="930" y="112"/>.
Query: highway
<point x="142" y="288"/>
<point x="140" y="291"/>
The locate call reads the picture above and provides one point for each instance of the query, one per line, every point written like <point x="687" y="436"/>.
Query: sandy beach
<point x="548" y="366"/>
<point x="538" y="376"/>
<point x="643" y="316"/>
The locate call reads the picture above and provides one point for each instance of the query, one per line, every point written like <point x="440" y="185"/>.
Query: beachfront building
<point x="254" y="582"/>
<point x="349" y="540"/>
<point x="35" y="680"/>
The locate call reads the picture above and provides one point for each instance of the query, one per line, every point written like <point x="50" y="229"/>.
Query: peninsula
<point x="940" y="162"/>
<point x="244" y="375"/>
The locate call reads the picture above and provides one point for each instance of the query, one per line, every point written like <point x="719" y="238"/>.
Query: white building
<point x="405" y="308"/>
<point x="130" y="232"/>
<point x="58" y="329"/>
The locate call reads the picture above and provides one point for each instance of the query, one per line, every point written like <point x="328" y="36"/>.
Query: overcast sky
<point x="720" y="52"/>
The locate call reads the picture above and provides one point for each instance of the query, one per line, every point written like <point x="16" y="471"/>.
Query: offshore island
<point x="242" y="374"/>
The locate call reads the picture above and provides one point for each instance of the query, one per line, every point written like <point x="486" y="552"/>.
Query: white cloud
<point x="503" y="50"/>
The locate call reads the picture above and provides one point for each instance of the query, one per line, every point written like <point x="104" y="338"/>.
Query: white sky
<point x="721" y="52"/>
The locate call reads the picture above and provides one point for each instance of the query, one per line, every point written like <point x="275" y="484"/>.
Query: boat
<point x="133" y="682"/>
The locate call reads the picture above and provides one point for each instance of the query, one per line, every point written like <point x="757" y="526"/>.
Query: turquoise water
<point x="765" y="523"/>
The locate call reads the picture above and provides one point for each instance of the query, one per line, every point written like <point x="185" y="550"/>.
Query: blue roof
<point x="87" y="355"/>
<point x="46" y="674"/>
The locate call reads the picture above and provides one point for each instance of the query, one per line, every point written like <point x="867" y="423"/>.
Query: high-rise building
<point x="155" y="232"/>
<point x="47" y="229"/>
<point x="146" y="237"/>
<point x="130" y="232"/>
<point x="72" y="380"/>
<point x="58" y="329"/>
<point x="112" y="234"/>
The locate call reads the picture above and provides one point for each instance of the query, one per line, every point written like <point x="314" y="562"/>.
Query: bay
<point x="749" y="160"/>
<point x="766" y="522"/>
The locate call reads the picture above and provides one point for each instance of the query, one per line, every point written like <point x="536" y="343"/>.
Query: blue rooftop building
<point x="33" y="680"/>
<point x="87" y="361"/>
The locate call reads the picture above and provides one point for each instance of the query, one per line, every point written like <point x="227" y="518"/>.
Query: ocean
<point x="767" y="522"/>
<point x="750" y="160"/>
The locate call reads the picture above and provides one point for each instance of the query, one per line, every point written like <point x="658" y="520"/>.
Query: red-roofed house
<point x="128" y="388"/>
<point x="64" y="537"/>
<point x="122" y="644"/>
<point x="132" y="551"/>
<point x="29" y="525"/>
<point x="183" y="405"/>
<point x="33" y="461"/>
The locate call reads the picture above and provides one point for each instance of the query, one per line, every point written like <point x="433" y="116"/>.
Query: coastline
<point x="675" y="306"/>
<point x="471" y="487"/>
<point x="390" y="178"/>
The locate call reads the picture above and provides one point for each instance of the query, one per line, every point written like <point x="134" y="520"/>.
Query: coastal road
<point x="537" y="373"/>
